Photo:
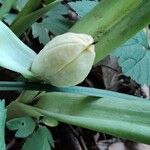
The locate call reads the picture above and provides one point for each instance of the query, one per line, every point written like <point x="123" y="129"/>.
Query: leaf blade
<point x="134" y="58"/>
<point x="24" y="126"/>
<point x="19" y="55"/>
<point x="41" y="137"/>
<point x="116" y="116"/>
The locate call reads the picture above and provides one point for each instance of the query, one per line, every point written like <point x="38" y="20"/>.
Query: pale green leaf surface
<point x="2" y="125"/>
<point x="39" y="140"/>
<point x="14" y="54"/>
<point x="134" y="58"/>
<point x="83" y="7"/>
<point x="24" y="126"/>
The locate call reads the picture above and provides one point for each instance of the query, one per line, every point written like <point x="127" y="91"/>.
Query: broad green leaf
<point x="41" y="139"/>
<point x="134" y="58"/>
<point x="83" y="7"/>
<point x="2" y="125"/>
<point x="24" y="126"/>
<point x="125" y="118"/>
<point x="7" y="4"/>
<point x="14" y="54"/>
<point x="54" y="22"/>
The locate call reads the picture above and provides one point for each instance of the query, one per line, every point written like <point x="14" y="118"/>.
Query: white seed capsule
<point x="66" y="60"/>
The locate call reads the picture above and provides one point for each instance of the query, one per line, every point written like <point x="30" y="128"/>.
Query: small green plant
<point x="110" y="24"/>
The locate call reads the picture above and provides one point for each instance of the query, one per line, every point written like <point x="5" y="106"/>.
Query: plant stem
<point x="21" y="86"/>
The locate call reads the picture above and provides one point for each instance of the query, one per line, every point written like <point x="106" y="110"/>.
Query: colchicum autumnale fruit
<point x="66" y="60"/>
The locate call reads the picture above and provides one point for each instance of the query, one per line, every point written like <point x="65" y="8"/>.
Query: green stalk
<point x="113" y="22"/>
<point x="20" y="25"/>
<point x="2" y="125"/>
<point x="30" y="86"/>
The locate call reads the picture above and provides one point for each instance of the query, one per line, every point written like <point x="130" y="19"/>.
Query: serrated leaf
<point x="83" y="7"/>
<point x="54" y="23"/>
<point x="24" y="126"/>
<point x="2" y="124"/>
<point x="40" y="140"/>
<point x="134" y="58"/>
<point x="38" y="30"/>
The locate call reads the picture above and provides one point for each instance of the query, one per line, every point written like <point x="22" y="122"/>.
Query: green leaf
<point x="6" y="7"/>
<point x="2" y="125"/>
<point x="38" y="30"/>
<point x="134" y="58"/>
<point x="83" y="7"/>
<point x="125" y="118"/>
<point x="24" y="126"/>
<point x="54" y="23"/>
<point x="39" y="140"/>
<point x="14" y="54"/>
